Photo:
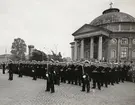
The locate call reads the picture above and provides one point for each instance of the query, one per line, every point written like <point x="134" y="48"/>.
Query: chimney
<point x="31" y="48"/>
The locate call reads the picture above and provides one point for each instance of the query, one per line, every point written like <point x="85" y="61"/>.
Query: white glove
<point x="46" y="75"/>
<point x="84" y="76"/>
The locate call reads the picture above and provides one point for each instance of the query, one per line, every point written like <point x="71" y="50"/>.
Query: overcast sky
<point x="49" y="24"/>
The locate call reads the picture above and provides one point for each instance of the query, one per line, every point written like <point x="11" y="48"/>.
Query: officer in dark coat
<point x="50" y="79"/>
<point x="48" y="82"/>
<point x="3" y="67"/>
<point x="86" y="82"/>
<point x="20" y="68"/>
<point x="10" y="65"/>
<point x="34" y="71"/>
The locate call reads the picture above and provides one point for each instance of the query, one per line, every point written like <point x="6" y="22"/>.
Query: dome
<point x="112" y="15"/>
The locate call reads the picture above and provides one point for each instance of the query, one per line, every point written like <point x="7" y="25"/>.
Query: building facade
<point x="109" y="37"/>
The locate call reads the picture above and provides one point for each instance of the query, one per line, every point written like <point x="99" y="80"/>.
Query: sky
<point x="49" y="24"/>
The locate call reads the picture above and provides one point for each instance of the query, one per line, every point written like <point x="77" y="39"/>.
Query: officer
<point x="3" y="67"/>
<point x="48" y="82"/>
<point x="34" y="71"/>
<point x="86" y="82"/>
<point x="50" y="79"/>
<point x="20" y="68"/>
<point x="10" y="65"/>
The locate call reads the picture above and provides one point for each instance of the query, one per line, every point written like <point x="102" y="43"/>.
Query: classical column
<point x="91" y="47"/>
<point x="72" y="52"/>
<point x="82" y="48"/>
<point x="75" y="51"/>
<point x="100" y="48"/>
<point x="130" y="49"/>
<point x="118" y="52"/>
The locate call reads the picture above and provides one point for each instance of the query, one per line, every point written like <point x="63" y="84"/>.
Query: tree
<point x="38" y="55"/>
<point x="66" y="59"/>
<point x="55" y="56"/>
<point x="60" y="57"/>
<point x="18" y="49"/>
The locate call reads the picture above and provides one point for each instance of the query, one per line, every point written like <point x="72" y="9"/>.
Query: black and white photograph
<point x="67" y="52"/>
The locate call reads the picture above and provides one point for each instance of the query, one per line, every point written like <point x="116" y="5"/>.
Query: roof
<point x="89" y="28"/>
<point x="5" y="55"/>
<point x="112" y="15"/>
<point x="72" y="43"/>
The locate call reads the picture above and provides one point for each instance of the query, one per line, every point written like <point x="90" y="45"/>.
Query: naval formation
<point x="77" y="73"/>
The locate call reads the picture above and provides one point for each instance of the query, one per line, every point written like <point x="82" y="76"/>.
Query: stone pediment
<point x="87" y="28"/>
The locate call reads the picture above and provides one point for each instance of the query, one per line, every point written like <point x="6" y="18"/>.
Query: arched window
<point x="114" y="41"/>
<point x="124" y="41"/>
<point x="133" y="41"/>
<point x="124" y="51"/>
<point x="113" y="53"/>
<point x="133" y="53"/>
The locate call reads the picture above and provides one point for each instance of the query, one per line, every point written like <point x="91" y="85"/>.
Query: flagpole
<point x="5" y="54"/>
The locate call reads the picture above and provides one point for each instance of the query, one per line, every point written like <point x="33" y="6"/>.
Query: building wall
<point x="121" y="30"/>
<point x="130" y="46"/>
<point x="120" y="27"/>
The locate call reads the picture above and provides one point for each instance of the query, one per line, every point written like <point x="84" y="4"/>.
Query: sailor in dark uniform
<point x="96" y="77"/>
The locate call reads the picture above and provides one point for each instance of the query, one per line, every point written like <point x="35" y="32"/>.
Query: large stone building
<point x="109" y="37"/>
<point x="5" y="58"/>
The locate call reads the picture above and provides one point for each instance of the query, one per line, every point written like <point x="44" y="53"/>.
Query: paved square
<point x="25" y="91"/>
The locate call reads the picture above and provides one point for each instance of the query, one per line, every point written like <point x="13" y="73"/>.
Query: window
<point x="133" y="53"/>
<point x="113" y="53"/>
<point x="124" y="52"/>
<point x="125" y="27"/>
<point x="132" y="27"/>
<point x="114" y="41"/>
<point x="124" y="41"/>
<point x="133" y="41"/>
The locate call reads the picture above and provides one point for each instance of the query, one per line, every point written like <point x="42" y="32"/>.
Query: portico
<point x="87" y="39"/>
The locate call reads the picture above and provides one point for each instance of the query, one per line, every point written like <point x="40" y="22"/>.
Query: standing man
<point x="34" y="71"/>
<point x="3" y="67"/>
<point x="86" y="78"/>
<point x="20" y="68"/>
<point x="86" y="82"/>
<point x="50" y="79"/>
<point x="10" y="65"/>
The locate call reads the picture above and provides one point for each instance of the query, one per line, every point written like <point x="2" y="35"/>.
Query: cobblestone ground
<point x="25" y="91"/>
